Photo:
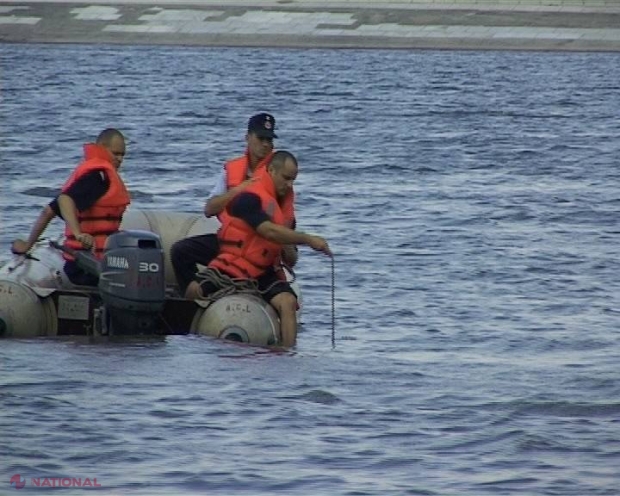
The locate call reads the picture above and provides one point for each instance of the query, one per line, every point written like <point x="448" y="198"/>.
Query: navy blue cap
<point x="263" y="125"/>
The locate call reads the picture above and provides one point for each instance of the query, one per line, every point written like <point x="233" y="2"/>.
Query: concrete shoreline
<point x="568" y="25"/>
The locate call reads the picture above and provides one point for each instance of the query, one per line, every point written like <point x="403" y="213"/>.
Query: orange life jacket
<point x="243" y="252"/>
<point x="237" y="169"/>
<point x="104" y="217"/>
<point x="237" y="172"/>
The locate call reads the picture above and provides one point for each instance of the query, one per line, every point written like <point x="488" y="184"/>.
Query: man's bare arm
<point x="284" y="235"/>
<point x="20" y="246"/>
<point x="68" y="211"/>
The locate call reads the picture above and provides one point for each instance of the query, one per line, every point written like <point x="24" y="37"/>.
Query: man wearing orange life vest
<point x="237" y="174"/>
<point x="92" y="202"/>
<point x="84" y="191"/>
<point x="94" y="198"/>
<point x="251" y="239"/>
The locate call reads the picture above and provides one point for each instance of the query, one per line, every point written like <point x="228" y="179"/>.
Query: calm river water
<point x="472" y="201"/>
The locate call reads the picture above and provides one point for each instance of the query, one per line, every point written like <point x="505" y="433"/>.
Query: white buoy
<point x="23" y="314"/>
<point x="244" y="318"/>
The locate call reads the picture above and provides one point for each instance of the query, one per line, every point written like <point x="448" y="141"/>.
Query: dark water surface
<point x="472" y="200"/>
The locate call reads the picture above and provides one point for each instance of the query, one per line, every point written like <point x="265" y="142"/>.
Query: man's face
<point x="259" y="147"/>
<point x="284" y="178"/>
<point x="117" y="149"/>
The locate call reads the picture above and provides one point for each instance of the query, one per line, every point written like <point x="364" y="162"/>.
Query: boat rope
<point x="230" y="285"/>
<point x="227" y="285"/>
<point x="333" y="301"/>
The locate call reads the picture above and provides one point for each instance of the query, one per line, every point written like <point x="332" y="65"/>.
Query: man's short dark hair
<point x="279" y="159"/>
<point x="107" y="135"/>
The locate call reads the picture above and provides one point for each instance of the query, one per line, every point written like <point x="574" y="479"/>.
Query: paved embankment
<point x="448" y="24"/>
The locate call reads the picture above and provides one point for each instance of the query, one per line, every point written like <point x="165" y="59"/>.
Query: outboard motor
<point x="132" y="283"/>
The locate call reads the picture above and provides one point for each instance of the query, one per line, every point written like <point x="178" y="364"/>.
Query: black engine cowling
<point x="132" y="283"/>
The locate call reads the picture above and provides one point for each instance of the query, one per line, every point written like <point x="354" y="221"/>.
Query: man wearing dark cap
<point x="236" y="175"/>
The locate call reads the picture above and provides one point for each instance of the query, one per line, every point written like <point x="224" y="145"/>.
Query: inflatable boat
<point x="137" y="292"/>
